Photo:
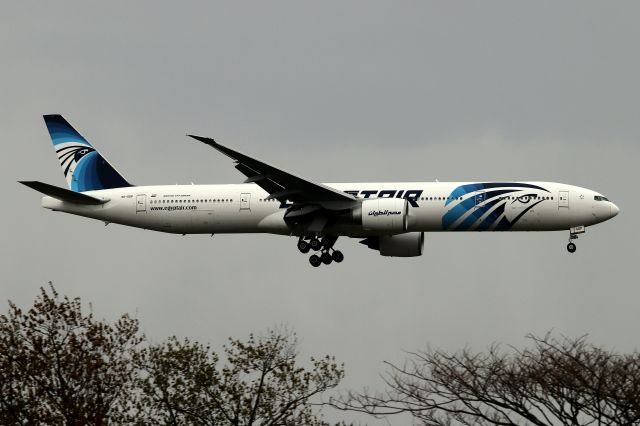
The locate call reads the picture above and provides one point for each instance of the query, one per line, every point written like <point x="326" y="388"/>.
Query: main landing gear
<point x="325" y="245"/>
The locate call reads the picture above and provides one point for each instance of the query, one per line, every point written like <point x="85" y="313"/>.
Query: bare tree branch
<point x="554" y="381"/>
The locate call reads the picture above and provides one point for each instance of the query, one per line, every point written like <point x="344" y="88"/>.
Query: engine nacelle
<point x="388" y="215"/>
<point x="401" y="245"/>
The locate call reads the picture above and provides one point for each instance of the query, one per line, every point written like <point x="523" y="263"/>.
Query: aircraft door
<point x="141" y="203"/>
<point x="563" y="199"/>
<point x="245" y="201"/>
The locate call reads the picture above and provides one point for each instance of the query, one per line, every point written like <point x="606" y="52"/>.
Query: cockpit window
<point x="600" y="198"/>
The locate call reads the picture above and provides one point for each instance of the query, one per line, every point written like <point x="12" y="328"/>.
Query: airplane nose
<point x="614" y="210"/>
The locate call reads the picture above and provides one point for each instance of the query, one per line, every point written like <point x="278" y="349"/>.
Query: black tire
<point x="326" y="258"/>
<point x="315" y="261"/>
<point x="303" y="246"/>
<point x="571" y="248"/>
<point x="315" y="244"/>
<point x="337" y="256"/>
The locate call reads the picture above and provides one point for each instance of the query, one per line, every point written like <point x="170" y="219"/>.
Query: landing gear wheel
<point x="303" y="246"/>
<point x="337" y="256"/>
<point x="315" y="244"/>
<point x="571" y="247"/>
<point x="314" y="261"/>
<point x="326" y="258"/>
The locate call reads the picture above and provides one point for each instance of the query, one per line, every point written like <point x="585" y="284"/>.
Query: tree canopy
<point x="555" y="381"/>
<point x="59" y="365"/>
<point x="260" y="384"/>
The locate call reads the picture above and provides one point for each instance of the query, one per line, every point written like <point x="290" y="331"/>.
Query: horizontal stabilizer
<point x="63" y="194"/>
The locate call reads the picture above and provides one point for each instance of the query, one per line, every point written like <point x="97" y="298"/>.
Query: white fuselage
<point x="434" y="206"/>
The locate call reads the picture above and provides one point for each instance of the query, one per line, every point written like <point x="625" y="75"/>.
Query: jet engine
<point x="401" y="245"/>
<point x="388" y="215"/>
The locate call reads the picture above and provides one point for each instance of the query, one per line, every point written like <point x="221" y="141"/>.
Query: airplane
<point x="389" y="217"/>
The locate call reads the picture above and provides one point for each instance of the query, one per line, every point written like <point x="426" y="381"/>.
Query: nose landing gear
<point x="573" y="235"/>
<point x="328" y="254"/>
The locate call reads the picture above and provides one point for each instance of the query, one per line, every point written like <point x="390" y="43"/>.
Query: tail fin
<point x="84" y="168"/>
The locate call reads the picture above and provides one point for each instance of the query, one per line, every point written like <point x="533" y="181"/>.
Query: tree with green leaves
<point x="59" y="365"/>
<point x="260" y="382"/>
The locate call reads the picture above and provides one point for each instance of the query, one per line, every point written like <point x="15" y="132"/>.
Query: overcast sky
<point x="333" y="91"/>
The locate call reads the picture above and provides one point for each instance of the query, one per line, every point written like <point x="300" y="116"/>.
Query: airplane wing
<point x="283" y="185"/>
